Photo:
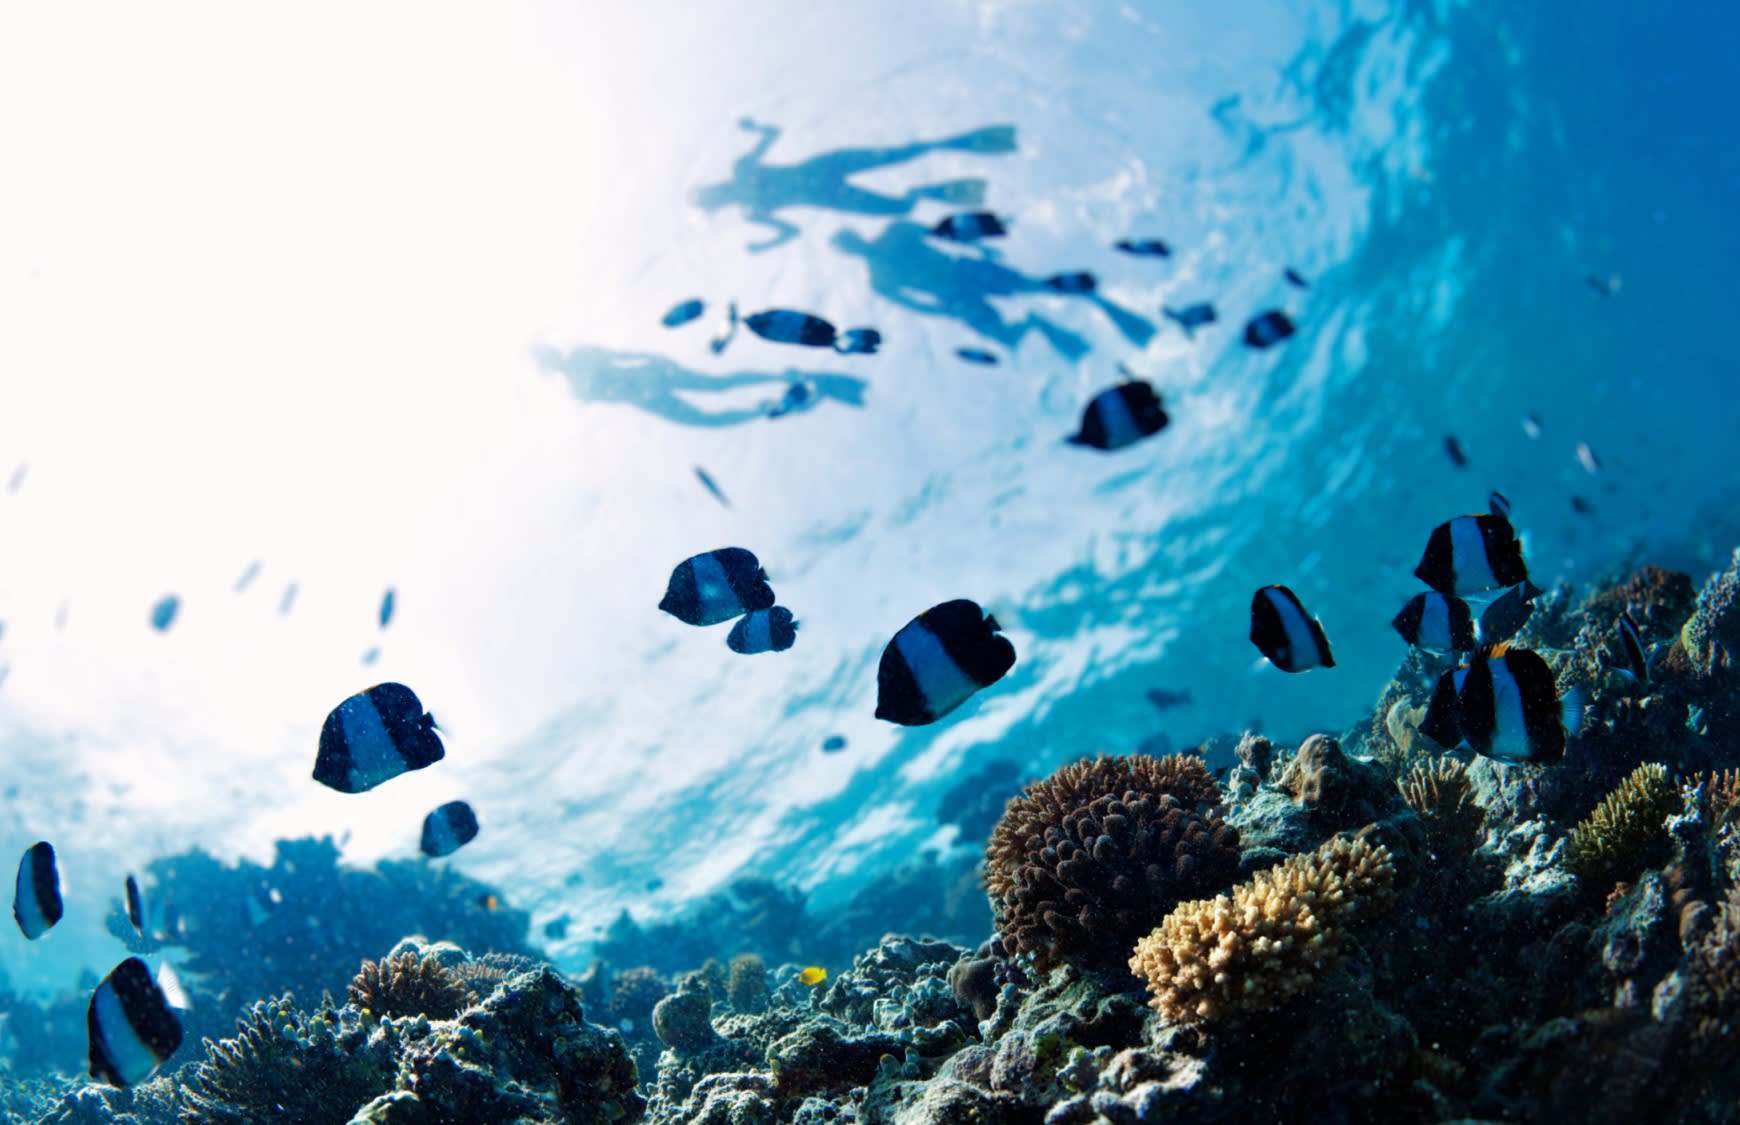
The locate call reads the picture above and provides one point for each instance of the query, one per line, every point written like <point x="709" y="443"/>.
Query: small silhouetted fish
<point x="1472" y="553"/>
<point x="371" y="654"/>
<point x="1077" y="282"/>
<point x="1606" y="286"/>
<point x="796" y="395"/>
<point x="1144" y="247"/>
<point x="248" y="576"/>
<point x="971" y="226"/>
<point x="132" y="1028"/>
<point x="1267" y="329"/>
<point x="163" y="613"/>
<point x="288" y="600"/>
<point x="1498" y="504"/>
<point x="1504" y="616"/>
<point x="18" y="476"/>
<point x="1504" y="704"/>
<point x="135" y="905"/>
<point x="1294" y="277"/>
<point x="716" y="586"/>
<point x="763" y="630"/>
<point x="1164" y="699"/>
<point x="36" y="901"/>
<point x="1436" y="622"/>
<point x="978" y="356"/>
<point x="447" y="829"/>
<point x="1453" y="450"/>
<point x="374" y="736"/>
<point x="859" y="341"/>
<point x="788" y="326"/>
<point x="1191" y="317"/>
<point x="683" y="312"/>
<point x="1120" y="416"/>
<point x="1581" y="506"/>
<point x="1636" y="659"/>
<point x="1586" y="458"/>
<point x="557" y="928"/>
<point x="1531" y="425"/>
<point x="387" y="603"/>
<point x="833" y="744"/>
<point x="938" y="660"/>
<point x="654" y="884"/>
<point x="1289" y="637"/>
<point x="711" y="485"/>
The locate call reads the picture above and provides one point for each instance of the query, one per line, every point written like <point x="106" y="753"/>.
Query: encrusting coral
<point x="1443" y="797"/>
<point x="1088" y="859"/>
<point x="1625" y="833"/>
<point x="1267" y="940"/>
<point x="410" y="985"/>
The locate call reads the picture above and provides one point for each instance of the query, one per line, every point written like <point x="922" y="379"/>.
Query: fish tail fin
<point x="967" y="192"/>
<point x="1571" y="710"/>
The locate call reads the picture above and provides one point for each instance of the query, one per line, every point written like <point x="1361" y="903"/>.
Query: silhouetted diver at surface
<point x="910" y="269"/>
<point x="763" y="190"/>
<point x="659" y="386"/>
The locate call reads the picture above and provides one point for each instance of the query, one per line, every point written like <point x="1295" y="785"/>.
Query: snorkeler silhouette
<point x="909" y="268"/>
<point x="823" y="180"/>
<point x="659" y="386"/>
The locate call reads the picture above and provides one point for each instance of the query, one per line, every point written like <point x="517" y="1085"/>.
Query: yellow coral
<point x="1625" y="833"/>
<point x="1266" y="940"/>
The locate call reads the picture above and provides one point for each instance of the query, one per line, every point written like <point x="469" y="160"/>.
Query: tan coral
<point x="410" y="985"/>
<point x="1626" y="831"/>
<point x="1443" y="797"/>
<point x="1266" y="940"/>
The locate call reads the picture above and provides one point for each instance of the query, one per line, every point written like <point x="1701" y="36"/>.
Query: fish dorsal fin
<point x="1498" y="650"/>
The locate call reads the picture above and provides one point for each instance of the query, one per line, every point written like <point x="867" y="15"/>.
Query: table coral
<point x="1267" y="940"/>
<point x="1086" y="860"/>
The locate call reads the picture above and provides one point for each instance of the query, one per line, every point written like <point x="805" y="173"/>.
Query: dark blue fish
<point x="684" y="312"/>
<point x="1581" y="506"/>
<point x="716" y="586"/>
<point x="1606" y="286"/>
<point x="1295" y="278"/>
<point x="833" y="744"/>
<point x="1531" y="425"/>
<point x="711" y="485"/>
<point x="795" y="397"/>
<point x="1077" y="282"/>
<point x="447" y="829"/>
<point x="135" y="906"/>
<point x="859" y="341"/>
<point x="374" y="736"/>
<point x="763" y="630"/>
<point x="1191" y="317"/>
<point x="557" y="928"/>
<point x="1453" y="450"/>
<point x="387" y="600"/>
<point x="789" y="326"/>
<point x="1121" y="416"/>
<point x="1144" y="247"/>
<point x="372" y="654"/>
<point x="248" y="576"/>
<point x="938" y="660"/>
<point x="1636" y="658"/>
<point x="131" y="1026"/>
<point x="36" y="901"/>
<point x="977" y="355"/>
<point x="1269" y="328"/>
<point x="163" y="613"/>
<point x="971" y="226"/>
<point x="1165" y="699"/>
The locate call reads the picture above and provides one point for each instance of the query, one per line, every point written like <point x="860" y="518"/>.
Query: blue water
<point x="514" y="455"/>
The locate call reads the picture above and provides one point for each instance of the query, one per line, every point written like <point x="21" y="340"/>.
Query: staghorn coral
<point x="1443" y="797"/>
<point x="1267" y="940"/>
<point x="410" y="985"/>
<point x="1711" y="635"/>
<point x="1086" y="860"/>
<point x="1625" y="833"/>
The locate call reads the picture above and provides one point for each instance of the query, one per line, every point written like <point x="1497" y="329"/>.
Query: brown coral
<point x="1267" y="940"/>
<point x="1443" y="797"/>
<point x="410" y="985"/>
<point x="1659" y="600"/>
<point x="1625" y="833"/>
<point x="282" y="1065"/>
<point x="1088" y="859"/>
<point x="1342" y="792"/>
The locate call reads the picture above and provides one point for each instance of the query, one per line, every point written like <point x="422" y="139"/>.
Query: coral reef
<point x="410" y="985"/>
<point x="1443" y="797"/>
<point x="1269" y="939"/>
<point x="1710" y="636"/>
<point x="1088" y="859"/>
<point x="1626" y="831"/>
<point x="1341" y="792"/>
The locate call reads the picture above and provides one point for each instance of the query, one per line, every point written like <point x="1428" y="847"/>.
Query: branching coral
<point x="1443" y="796"/>
<point x="409" y="985"/>
<point x="1625" y="833"/>
<point x="1267" y="940"/>
<point x="1088" y="859"/>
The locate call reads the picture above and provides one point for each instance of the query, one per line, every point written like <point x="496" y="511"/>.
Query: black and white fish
<point x="1504" y="616"/>
<point x="1436" y="622"/>
<point x="789" y="326"/>
<point x="683" y="312"/>
<point x="1504" y="704"/>
<point x="977" y="355"/>
<point x="1291" y="639"/>
<point x="163" y="613"/>
<point x="1191" y="317"/>
<point x="1078" y="282"/>
<point x="131" y="1025"/>
<point x="387" y="603"/>
<point x="135" y="906"/>
<point x="447" y="829"/>
<point x="859" y="341"/>
<point x="1269" y="328"/>
<point x="1295" y="278"/>
<point x="1637" y="659"/>
<point x="1143" y="247"/>
<point x="711" y="485"/>
<point x="1453" y="450"/>
<point x="374" y="736"/>
<point x="1531" y="425"/>
<point x="1498" y="504"/>
<point x="1586" y="458"/>
<point x="938" y="660"/>
<point x="36" y="901"/>
<point x="1470" y="554"/>
<point x="1120" y="416"/>
<point x="763" y="630"/>
<point x="971" y="226"/>
<point x="716" y="586"/>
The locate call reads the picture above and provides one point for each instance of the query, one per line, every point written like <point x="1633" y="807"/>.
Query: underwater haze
<point x="301" y="307"/>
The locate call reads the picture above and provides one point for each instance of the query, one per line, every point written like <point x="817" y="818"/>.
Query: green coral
<point x="1626" y="832"/>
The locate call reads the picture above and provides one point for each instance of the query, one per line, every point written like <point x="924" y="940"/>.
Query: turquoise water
<point x="406" y="332"/>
